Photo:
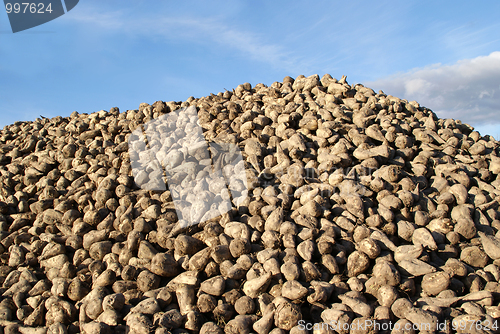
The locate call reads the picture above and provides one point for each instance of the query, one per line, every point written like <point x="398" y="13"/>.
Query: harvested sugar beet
<point x="263" y="209"/>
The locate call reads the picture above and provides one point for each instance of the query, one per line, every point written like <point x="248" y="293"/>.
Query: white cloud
<point x="468" y="90"/>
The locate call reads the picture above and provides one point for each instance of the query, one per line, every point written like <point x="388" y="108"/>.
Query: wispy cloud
<point x="210" y="31"/>
<point x="468" y="38"/>
<point x="468" y="90"/>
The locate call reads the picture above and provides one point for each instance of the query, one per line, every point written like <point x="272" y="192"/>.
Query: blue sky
<point x="111" y="53"/>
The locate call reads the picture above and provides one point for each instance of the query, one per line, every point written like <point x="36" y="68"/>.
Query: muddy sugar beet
<point x="346" y="206"/>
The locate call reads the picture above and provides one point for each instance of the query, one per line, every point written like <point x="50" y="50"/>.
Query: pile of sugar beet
<point x="365" y="212"/>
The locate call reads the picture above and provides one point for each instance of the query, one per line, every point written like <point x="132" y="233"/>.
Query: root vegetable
<point x="307" y="199"/>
